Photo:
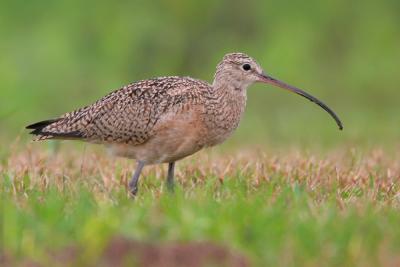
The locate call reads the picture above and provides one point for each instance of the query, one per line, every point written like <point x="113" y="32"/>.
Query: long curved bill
<point x="268" y="79"/>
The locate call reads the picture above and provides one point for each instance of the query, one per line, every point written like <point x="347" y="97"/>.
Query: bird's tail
<point x="53" y="129"/>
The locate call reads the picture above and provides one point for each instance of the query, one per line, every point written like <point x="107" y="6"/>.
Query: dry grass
<point x="371" y="175"/>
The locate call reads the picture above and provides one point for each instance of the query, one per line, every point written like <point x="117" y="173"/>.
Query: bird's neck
<point x="225" y="109"/>
<point x="232" y="93"/>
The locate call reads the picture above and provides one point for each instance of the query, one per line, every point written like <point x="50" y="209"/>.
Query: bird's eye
<point x="246" y="67"/>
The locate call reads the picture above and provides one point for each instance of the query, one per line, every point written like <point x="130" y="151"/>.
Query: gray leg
<point x="135" y="178"/>
<point x="170" y="177"/>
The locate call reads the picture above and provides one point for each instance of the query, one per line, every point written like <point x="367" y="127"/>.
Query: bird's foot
<point x="133" y="191"/>
<point x="170" y="187"/>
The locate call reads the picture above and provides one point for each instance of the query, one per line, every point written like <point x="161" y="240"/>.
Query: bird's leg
<point x="135" y="178"/>
<point x="170" y="177"/>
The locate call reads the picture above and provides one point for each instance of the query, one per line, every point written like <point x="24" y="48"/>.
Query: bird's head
<point x="237" y="71"/>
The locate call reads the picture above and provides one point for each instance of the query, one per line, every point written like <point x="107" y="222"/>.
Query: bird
<point x="165" y="119"/>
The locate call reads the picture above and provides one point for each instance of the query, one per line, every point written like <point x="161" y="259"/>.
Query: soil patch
<point x="121" y="251"/>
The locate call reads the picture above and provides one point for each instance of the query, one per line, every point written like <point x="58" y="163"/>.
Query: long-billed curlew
<point x="165" y="119"/>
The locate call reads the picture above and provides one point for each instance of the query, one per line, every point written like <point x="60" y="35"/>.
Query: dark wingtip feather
<point x="41" y="124"/>
<point x="36" y="131"/>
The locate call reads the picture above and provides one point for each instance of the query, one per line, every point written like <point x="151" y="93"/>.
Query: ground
<point x="288" y="207"/>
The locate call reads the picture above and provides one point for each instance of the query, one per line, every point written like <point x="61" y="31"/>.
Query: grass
<point x="280" y="208"/>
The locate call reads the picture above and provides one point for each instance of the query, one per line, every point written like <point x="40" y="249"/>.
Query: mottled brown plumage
<point x="165" y="119"/>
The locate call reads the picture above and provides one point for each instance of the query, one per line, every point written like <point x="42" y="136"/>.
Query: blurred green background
<point x="59" y="55"/>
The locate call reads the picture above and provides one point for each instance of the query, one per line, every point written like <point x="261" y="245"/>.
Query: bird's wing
<point x="127" y="115"/>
